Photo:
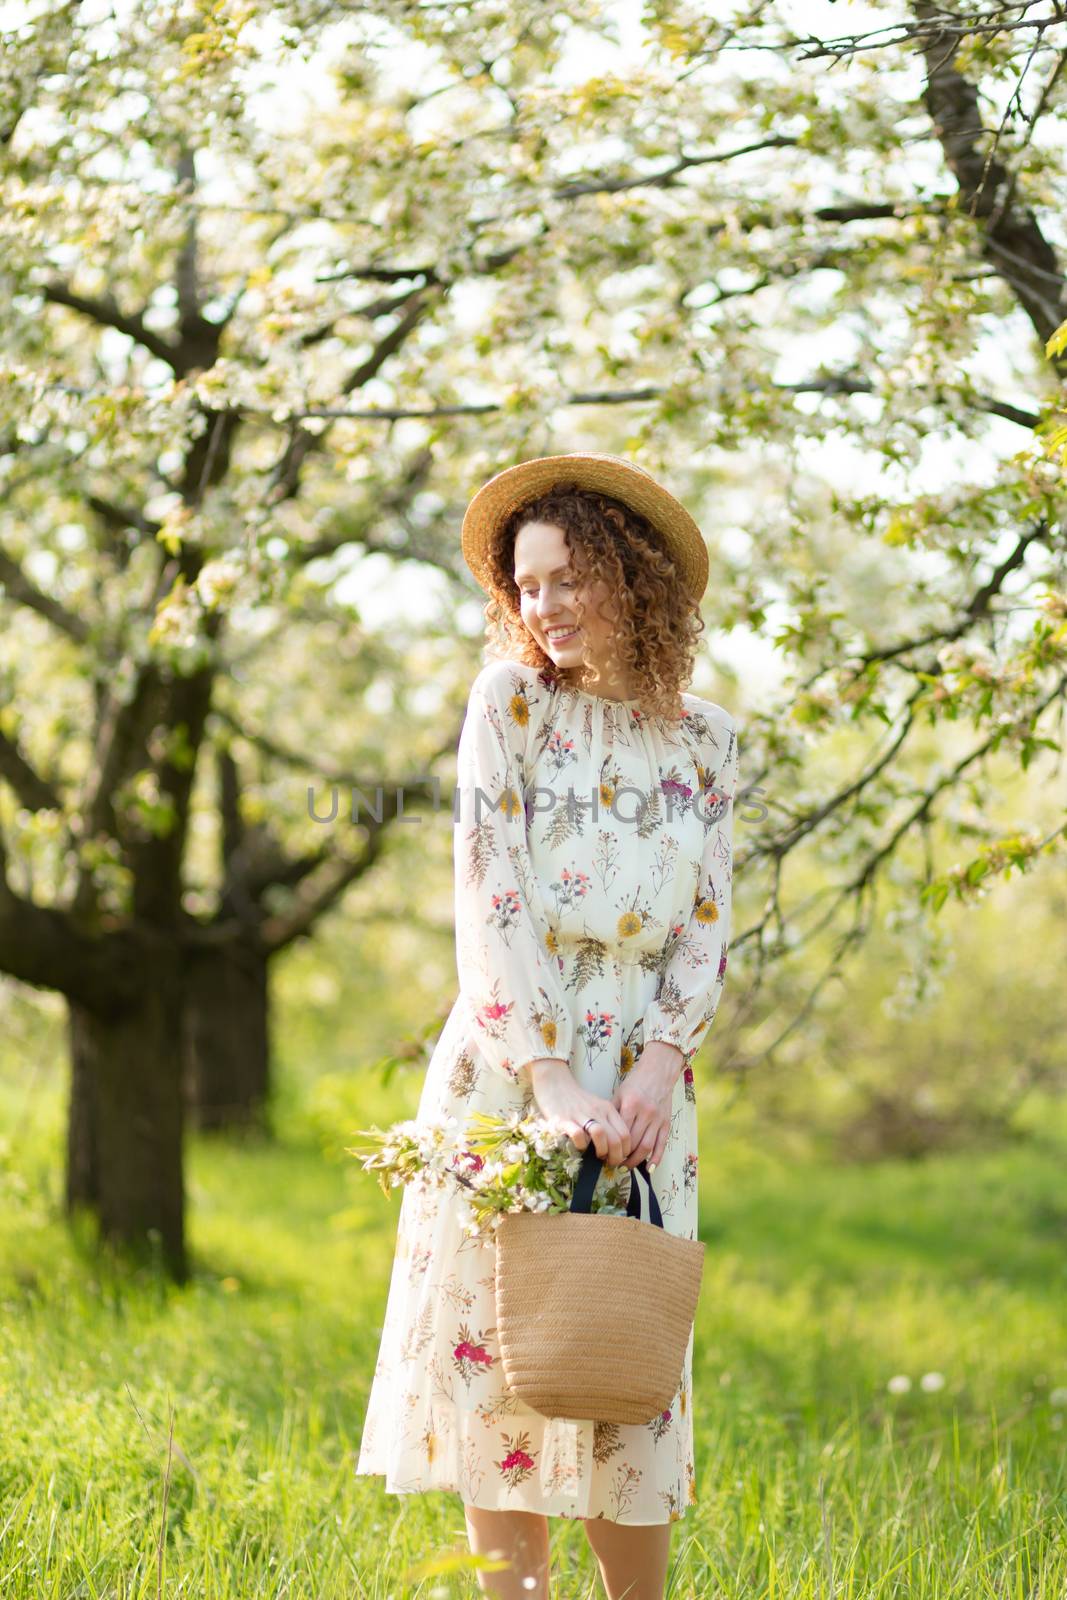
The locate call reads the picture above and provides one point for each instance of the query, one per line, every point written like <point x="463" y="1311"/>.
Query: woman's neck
<point x="609" y="686"/>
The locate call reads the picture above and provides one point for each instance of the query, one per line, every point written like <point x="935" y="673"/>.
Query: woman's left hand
<point x="644" y="1099"/>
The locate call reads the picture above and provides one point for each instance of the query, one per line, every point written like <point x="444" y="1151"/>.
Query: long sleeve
<point x="691" y="984"/>
<point x="507" y="973"/>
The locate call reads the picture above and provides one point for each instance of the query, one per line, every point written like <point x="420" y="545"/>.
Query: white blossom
<point x="217" y="580"/>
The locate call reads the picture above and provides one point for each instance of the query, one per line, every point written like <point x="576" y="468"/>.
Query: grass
<point x="228" y="1412"/>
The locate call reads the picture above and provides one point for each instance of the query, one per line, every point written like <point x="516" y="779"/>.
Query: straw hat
<point x="612" y="475"/>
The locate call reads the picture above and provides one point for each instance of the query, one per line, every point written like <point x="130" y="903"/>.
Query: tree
<point x="239" y="349"/>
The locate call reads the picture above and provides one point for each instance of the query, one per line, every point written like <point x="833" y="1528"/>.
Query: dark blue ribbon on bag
<point x="586" y="1181"/>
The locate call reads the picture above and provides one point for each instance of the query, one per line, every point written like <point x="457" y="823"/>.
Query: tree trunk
<point x="226" y="1038"/>
<point x="124" y="1143"/>
<point x="83" y="1160"/>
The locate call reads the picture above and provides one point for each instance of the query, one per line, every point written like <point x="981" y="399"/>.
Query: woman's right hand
<point x="564" y="1100"/>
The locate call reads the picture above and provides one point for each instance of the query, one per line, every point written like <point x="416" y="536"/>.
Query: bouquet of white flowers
<point x="503" y="1164"/>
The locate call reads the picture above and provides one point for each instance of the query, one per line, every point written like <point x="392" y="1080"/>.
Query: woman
<point x="592" y="927"/>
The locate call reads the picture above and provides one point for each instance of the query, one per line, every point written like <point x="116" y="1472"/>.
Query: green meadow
<point x="881" y="1378"/>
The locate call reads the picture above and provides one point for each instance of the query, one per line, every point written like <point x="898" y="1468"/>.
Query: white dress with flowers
<point x="593" y="900"/>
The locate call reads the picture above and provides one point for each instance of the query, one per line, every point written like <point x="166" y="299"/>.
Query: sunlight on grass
<point x="880" y="1377"/>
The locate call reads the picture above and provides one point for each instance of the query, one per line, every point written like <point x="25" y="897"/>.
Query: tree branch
<point x="46" y="948"/>
<point x="285" y="478"/>
<point x="991" y="22"/>
<point x="35" y="793"/>
<point x="279" y="931"/>
<point x="1012" y="240"/>
<point x="845" y="383"/>
<point x="26" y="593"/>
<point x="665" y="177"/>
<point x="108" y="314"/>
<point x="337" y="776"/>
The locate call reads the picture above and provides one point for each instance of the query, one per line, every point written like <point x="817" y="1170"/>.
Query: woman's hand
<point x="644" y="1100"/>
<point x="560" y="1097"/>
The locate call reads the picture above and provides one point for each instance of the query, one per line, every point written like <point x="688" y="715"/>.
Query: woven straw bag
<point x="594" y="1312"/>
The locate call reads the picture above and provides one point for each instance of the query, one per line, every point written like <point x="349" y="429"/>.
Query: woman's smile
<point x="554" y="591"/>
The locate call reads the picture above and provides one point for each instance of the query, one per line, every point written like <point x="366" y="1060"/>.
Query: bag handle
<point x="586" y="1181"/>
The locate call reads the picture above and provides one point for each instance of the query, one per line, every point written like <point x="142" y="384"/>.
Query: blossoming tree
<point x="238" y="346"/>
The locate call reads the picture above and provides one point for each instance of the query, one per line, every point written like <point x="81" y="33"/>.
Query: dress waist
<point x="567" y="944"/>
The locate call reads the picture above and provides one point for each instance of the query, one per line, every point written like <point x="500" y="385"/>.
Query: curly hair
<point x="658" y="623"/>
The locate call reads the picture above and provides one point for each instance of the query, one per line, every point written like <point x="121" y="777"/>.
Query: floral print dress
<point x="592" y="899"/>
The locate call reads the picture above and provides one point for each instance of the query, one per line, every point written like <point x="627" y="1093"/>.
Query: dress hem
<point x="568" y="1516"/>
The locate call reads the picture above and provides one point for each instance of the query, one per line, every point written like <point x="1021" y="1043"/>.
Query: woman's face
<point x="557" y="607"/>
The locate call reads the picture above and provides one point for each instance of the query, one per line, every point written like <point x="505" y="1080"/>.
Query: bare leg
<point x="520" y="1537"/>
<point x="633" y="1560"/>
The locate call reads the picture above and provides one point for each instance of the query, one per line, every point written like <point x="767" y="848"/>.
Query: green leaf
<point x="1057" y="343"/>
